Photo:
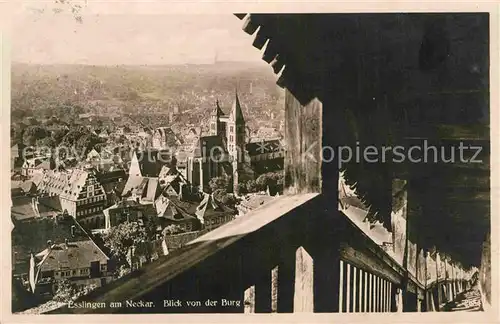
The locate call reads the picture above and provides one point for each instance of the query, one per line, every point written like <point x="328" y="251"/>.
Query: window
<point x="230" y="138"/>
<point x="103" y="267"/>
<point x="231" y="129"/>
<point x="73" y="273"/>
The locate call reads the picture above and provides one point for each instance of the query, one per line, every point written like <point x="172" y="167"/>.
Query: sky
<point x="108" y="39"/>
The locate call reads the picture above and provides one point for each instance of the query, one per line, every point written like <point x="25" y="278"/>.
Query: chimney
<point x="73" y="230"/>
<point x="66" y="243"/>
<point x="49" y="243"/>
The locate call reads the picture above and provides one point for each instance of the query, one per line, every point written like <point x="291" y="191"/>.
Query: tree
<point x="242" y="188"/>
<point x="224" y="197"/>
<point x="229" y="200"/>
<point x="251" y="186"/>
<point x="46" y="142"/>
<point x="263" y="181"/>
<point x="33" y="133"/>
<point x="269" y="179"/>
<point x="172" y="229"/>
<point x="218" y="194"/>
<point x="65" y="292"/>
<point x="219" y="183"/>
<point x="58" y="134"/>
<point x="121" y="238"/>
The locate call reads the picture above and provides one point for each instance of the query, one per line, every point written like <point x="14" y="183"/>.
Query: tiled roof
<point x="132" y="183"/>
<point x="170" y="208"/>
<point x="151" y="161"/>
<point x="62" y="183"/>
<point x="152" y="189"/>
<point x="261" y="147"/>
<point x="73" y="255"/>
<point x="169" y="135"/>
<point x="16" y="192"/>
<point x="22" y="208"/>
<point x="32" y="237"/>
<point x="146" y="187"/>
<point x="217" y="111"/>
<point x="209" y="207"/>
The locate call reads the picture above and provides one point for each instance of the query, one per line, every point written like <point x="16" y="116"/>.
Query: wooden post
<point x="326" y="279"/>
<point x="354" y="288"/>
<point x="303" y="298"/>
<point x="341" y="286"/>
<point x="360" y="291"/>
<point x="377" y="294"/>
<point x="365" y="299"/>
<point x="303" y="154"/>
<point x="370" y="293"/>
<point x="348" y="286"/>
<point x="388" y="297"/>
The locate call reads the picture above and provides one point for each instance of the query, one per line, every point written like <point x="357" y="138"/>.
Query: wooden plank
<point x="366" y="293"/>
<point x="250" y="26"/>
<point x="354" y="289"/>
<point x="249" y="299"/>
<point x="370" y="293"/>
<point x="303" y="297"/>
<point x="348" y="293"/>
<point x="303" y="158"/>
<point x="277" y="64"/>
<point x="270" y="52"/>
<point x="341" y="286"/>
<point x="260" y="39"/>
<point x="240" y="16"/>
<point x="360" y="290"/>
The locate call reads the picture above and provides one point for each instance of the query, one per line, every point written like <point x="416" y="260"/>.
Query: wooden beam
<point x="303" y="298"/>
<point x="303" y="155"/>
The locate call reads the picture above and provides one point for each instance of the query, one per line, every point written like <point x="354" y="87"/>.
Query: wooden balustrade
<point x="291" y="256"/>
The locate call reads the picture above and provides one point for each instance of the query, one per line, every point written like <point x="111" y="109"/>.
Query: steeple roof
<point x="236" y="112"/>
<point x="217" y="110"/>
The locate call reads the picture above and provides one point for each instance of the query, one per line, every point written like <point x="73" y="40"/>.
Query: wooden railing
<point x="290" y="255"/>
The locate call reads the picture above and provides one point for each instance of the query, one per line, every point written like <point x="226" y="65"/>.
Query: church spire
<point x="236" y="109"/>
<point x="217" y="110"/>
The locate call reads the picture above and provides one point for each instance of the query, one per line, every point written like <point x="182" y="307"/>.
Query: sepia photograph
<point x="249" y="162"/>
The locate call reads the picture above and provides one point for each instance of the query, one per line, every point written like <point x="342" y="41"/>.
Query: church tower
<point x="216" y="125"/>
<point x="236" y="139"/>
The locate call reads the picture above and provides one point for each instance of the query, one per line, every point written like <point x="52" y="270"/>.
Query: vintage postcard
<point x="167" y="159"/>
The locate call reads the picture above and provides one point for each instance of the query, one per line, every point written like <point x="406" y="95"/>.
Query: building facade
<point x="81" y="195"/>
